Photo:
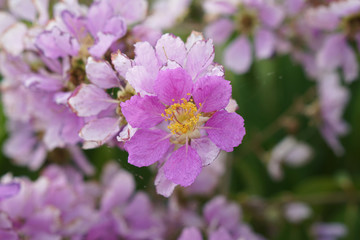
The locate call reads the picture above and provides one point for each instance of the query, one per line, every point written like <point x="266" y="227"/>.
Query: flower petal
<point x="101" y="74"/>
<point x="226" y="130"/>
<point x="140" y="80"/>
<point x="163" y="185"/>
<point x="199" y="57"/>
<point x="206" y="149"/>
<point x="121" y="63"/>
<point x="219" y="30"/>
<point x="190" y="233"/>
<point x="147" y="147"/>
<point x="169" y="47"/>
<point x="89" y="100"/>
<point x="173" y="84"/>
<point x="237" y="56"/>
<point x="143" y="112"/>
<point x="183" y="166"/>
<point x="264" y="44"/>
<point x="100" y="130"/>
<point x="145" y="56"/>
<point x="212" y="92"/>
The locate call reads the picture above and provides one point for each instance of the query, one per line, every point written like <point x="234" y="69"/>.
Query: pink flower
<point x="180" y="112"/>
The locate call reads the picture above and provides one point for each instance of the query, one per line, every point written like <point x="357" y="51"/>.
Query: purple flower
<point x="257" y="19"/>
<point x="328" y="231"/>
<point x="222" y="220"/>
<point x="180" y="112"/>
<point x="333" y="100"/>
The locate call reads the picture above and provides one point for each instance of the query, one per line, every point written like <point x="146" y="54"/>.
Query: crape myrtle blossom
<point x="256" y="20"/>
<point x="124" y="213"/>
<point x="103" y="112"/>
<point x="179" y="112"/>
<point x="221" y="220"/>
<point x="61" y="205"/>
<point x="291" y="152"/>
<point x="92" y="33"/>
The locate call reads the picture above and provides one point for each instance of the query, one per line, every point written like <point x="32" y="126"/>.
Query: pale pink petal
<point x="147" y="147"/>
<point x="163" y="185"/>
<point x="126" y="133"/>
<point x="89" y="100"/>
<point x="206" y="149"/>
<point x="121" y="63"/>
<point x="264" y="44"/>
<point x="329" y="55"/>
<point x="12" y="39"/>
<point x="183" y="166"/>
<point x="23" y="9"/>
<point x="143" y="112"/>
<point x="133" y="11"/>
<point x="199" y="57"/>
<point x="169" y="47"/>
<point x="6" y="20"/>
<point x="238" y="56"/>
<point x="140" y="80"/>
<point x="172" y="85"/>
<point x="219" y="30"/>
<point x="145" y="56"/>
<point x="101" y="74"/>
<point x="100" y="130"/>
<point x="226" y="130"/>
<point x="193" y="38"/>
<point x="102" y="44"/>
<point x="211" y="93"/>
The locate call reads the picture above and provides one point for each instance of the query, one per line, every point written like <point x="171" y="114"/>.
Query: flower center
<point x="183" y="117"/>
<point x="246" y="21"/>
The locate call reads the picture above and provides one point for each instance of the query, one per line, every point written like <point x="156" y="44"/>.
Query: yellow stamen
<point x="183" y="117"/>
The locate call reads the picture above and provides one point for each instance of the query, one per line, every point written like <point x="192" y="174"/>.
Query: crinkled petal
<point x="183" y="166"/>
<point x="145" y="56"/>
<point x="193" y="38"/>
<point x="199" y="57"/>
<point x="264" y="44"/>
<point x="75" y="25"/>
<point x="147" y="147"/>
<point x="101" y="74"/>
<point x="206" y="149"/>
<point x="143" y="112"/>
<point x="169" y="47"/>
<point x="89" y="100"/>
<point x="328" y="56"/>
<point x="99" y="13"/>
<point x="12" y="39"/>
<point x="163" y="185"/>
<point x="237" y="56"/>
<point x="219" y="30"/>
<point x="173" y="84"/>
<point x="100" y="130"/>
<point x="56" y="44"/>
<point x="226" y="130"/>
<point x="121" y="63"/>
<point x="191" y="233"/>
<point x="211" y="93"/>
<point x="140" y="80"/>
